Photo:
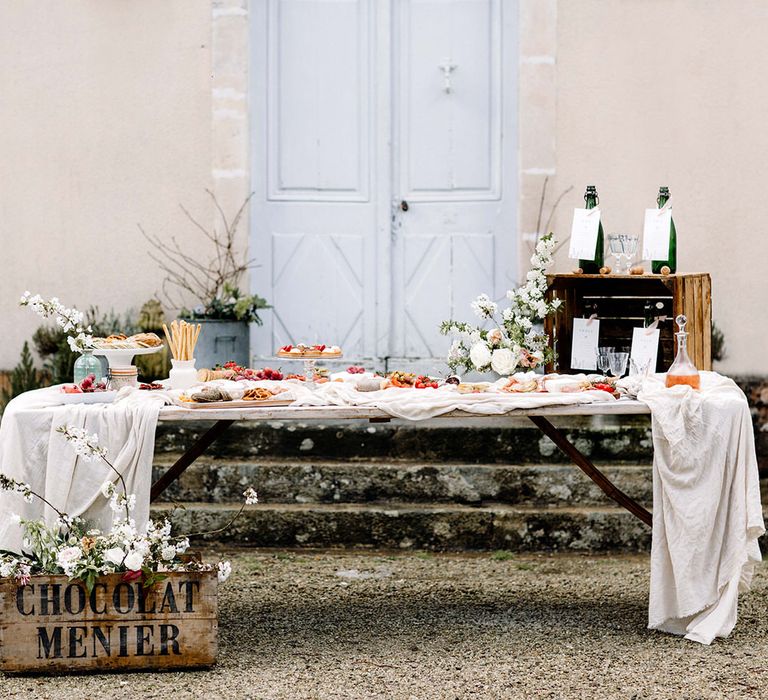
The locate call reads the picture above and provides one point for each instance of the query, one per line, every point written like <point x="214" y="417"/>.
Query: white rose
<point x="503" y="361"/>
<point x="168" y="553"/>
<point x="480" y="355"/>
<point x="134" y="560"/>
<point x="67" y="556"/>
<point x="494" y="336"/>
<point x="114" y="556"/>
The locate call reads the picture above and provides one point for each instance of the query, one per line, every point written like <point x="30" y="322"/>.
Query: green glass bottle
<point x="592" y="267"/>
<point x="671" y="261"/>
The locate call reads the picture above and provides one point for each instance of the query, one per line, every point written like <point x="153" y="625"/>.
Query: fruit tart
<point x="309" y="352"/>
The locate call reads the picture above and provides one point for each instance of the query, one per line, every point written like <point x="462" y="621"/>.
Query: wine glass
<point x="623" y="246"/>
<point x="617" y="363"/>
<point x="602" y="358"/>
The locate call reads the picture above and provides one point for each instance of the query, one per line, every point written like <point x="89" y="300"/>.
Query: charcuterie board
<point x="269" y="403"/>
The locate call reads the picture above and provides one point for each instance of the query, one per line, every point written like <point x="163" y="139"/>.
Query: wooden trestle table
<point x="222" y="418"/>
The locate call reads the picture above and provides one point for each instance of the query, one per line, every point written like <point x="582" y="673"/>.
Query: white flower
<point x="456" y="351"/>
<point x="251" y="497"/>
<point x="68" y="557"/>
<point x="224" y="569"/>
<point x="85" y="445"/>
<point x="168" y="552"/>
<point x="480" y="355"/>
<point x="182" y="545"/>
<point x="484" y="307"/>
<point x="134" y="561"/>
<point x="7" y="567"/>
<point x="115" y="556"/>
<point x="494" y="336"/>
<point x="107" y="489"/>
<point x="503" y="361"/>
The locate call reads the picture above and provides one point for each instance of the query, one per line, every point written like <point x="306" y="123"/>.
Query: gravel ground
<point x="379" y="625"/>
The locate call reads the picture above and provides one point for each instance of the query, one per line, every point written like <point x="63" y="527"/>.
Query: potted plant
<point x="209" y="291"/>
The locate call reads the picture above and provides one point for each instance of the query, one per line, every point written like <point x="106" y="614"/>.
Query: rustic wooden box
<point x="620" y="301"/>
<point x="54" y="625"/>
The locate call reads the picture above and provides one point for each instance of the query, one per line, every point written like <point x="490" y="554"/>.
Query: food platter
<point x="238" y="404"/>
<point x="123" y="357"/>
<point x="88" y="397"/>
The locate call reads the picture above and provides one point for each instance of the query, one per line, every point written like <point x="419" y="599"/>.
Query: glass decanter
<point x="683" y="371"/>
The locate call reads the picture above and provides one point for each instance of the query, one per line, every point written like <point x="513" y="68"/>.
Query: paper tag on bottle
<point x="584" y="234"/>
<point x="645" y="347"/>
<point x="586" y="332"/>
<point x="656" y="233"/>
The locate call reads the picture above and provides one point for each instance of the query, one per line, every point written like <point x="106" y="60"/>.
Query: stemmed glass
<point x="602" y="359"/>
<point x="617" y="362"/>
<point x="623" y="246"/>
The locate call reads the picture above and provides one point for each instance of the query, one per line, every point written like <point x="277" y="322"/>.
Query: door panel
<point x="449" y="100"/>
<point x="313" y="220"/>
<point x="318" y="87"/>
<point x="455" y="167"/>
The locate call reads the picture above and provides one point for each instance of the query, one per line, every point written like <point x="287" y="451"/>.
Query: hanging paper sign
<point x="656" y="233"/>
<point x="584" y="234"/>
<point x="645" y="347"/>
<point x="586" y="332"/>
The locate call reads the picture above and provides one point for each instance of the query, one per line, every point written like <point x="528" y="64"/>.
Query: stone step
<point x="303" y="481"/>
<point x="417" y="526"/>
<point x="472" y="440"/>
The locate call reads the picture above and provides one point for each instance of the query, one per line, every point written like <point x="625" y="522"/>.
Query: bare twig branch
<point x="204" y="280"/>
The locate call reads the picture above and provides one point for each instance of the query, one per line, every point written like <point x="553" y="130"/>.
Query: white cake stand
<point x="123" y="357"/>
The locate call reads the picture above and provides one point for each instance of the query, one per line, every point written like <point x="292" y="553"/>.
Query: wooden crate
<point x="620" y="301"/>
<point x="54" y="625"/>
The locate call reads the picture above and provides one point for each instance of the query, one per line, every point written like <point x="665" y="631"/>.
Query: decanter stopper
<point x="681" y="321"/>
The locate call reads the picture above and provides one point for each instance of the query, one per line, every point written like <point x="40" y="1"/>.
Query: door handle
<point x="404" y="206"/>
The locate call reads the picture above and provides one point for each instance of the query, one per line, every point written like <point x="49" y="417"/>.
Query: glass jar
<point x="120" y="377"/>
<point x="88" y="364"/>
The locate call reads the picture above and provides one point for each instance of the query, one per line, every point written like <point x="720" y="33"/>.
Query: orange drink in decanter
<point x="683" y="371"/>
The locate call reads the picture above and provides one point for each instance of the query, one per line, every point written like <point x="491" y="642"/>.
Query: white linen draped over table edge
<point x="707" y="515"/>
<point x="32" y="451"/>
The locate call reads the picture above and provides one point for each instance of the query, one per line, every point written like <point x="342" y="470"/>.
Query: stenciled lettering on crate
<point x="55" y="624"/>
<point x="618" y="301"/>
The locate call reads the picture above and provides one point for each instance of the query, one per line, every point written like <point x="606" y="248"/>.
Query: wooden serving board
<point x="240" y="404"/>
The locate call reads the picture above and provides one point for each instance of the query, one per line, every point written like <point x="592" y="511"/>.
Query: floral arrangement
<point x="69" y="320"/>
<point x="72" y="548"/>
<point x="514" y="343"/>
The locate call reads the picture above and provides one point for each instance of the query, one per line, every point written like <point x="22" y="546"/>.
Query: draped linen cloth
<point x="33" y="452"/>
<point x="707" y="515"/>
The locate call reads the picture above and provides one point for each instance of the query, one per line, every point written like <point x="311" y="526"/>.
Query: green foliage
<point x="718" y="343"/>
<point x="232" y="305"/>
<point x="23" y="378"/>
<point x="150" y="320"/>
<point x="502" y="555"/>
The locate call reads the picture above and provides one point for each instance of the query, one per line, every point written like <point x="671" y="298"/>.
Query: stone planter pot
<point x="222" y="341"/>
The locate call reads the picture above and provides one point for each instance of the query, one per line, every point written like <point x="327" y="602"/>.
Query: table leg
<point x="591" y="470"/>
<point x="202" y="444"/>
